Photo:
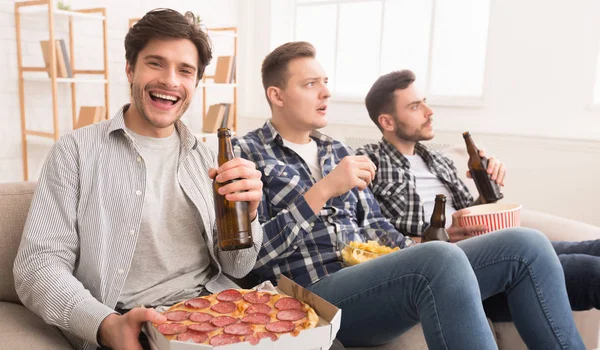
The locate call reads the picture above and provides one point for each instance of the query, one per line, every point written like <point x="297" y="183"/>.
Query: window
<point x="443" y="42"/>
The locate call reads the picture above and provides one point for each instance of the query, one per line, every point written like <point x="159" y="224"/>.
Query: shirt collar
<point x="187" y="138"/>
<point x="270" y="134"/>
<point x="391" y="150"/>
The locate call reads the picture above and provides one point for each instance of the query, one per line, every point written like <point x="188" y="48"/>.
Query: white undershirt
<point x="428" y="186"/>
<point x="310" y="154"/>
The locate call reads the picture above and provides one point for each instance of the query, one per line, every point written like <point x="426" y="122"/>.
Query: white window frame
<point x="434" y="100"/>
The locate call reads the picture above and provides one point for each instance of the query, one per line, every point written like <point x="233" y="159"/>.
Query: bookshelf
<point x="49" y="9"/>
<point x="208" y="81"/>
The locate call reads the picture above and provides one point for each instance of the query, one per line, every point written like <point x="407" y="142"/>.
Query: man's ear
<point x="129" y="72"/>
<point x="274" y="95"/>
<point x="386" y="122"/>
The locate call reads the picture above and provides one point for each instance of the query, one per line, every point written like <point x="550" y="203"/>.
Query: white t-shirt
<point x="310" y="154"/>
<point x="428" y="186"/>
<point x="171" y="260"/>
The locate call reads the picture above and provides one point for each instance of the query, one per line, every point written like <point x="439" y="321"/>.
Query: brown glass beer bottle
<point x="489" y="191"/>
<point x="233" y="218"/>
<point x="436" y="231"/>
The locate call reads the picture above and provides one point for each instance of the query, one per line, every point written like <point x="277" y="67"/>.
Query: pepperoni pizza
<point x="236" y="315"/>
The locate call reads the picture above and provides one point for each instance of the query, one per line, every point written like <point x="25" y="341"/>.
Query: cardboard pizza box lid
<point x="318" y="338"/>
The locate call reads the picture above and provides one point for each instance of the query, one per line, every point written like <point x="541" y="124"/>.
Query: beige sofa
<point x="21" y="329"/>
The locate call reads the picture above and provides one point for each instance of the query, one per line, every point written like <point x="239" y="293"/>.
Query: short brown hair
<point x="381" y="99"/>
<point x="168" y="24"/>
<point x="275" y="66"/>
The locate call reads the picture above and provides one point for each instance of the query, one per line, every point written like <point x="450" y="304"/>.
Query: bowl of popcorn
<point x="495" y="216"/>
<point x="356" y="248"/>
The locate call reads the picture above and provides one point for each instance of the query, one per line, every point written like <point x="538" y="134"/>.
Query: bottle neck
<point x="225" y="150"/>
<point x="471" y="148"/>
<point x="438" y="218"/>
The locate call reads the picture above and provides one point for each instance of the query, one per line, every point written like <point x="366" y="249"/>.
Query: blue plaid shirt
<point x="298" y="243"/>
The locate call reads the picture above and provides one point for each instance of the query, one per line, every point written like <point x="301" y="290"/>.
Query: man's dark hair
<point x="381" y="98"/>
<point x="165" y="24"/>
<point x="275" y="66"/>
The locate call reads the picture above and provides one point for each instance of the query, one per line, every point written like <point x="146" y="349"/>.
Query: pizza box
<point x="318" y="338"/>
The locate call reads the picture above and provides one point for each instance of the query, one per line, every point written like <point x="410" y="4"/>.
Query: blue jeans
<point x="581" y="265"/>
<point x="441" y="285"/>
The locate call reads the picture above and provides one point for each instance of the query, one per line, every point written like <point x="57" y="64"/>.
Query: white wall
<point x="88" y="54"/>
<point x="541" y="63"/>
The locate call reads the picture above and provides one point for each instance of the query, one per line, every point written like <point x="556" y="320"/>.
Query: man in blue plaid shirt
<point x="315" y="189"/>
<point x="409" y="175"/>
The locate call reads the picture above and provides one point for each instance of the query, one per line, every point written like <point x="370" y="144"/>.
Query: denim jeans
<point x="441" y="285"/>
<point x="581" y="266"/>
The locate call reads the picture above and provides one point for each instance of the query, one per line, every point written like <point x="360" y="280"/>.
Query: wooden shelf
<point x="43" y="10"/>
<point x="47" y="8"/>
<point x="65" y="80"/>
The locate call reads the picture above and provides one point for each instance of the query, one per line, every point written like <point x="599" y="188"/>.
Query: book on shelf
<point x="214" y="118"/>
<point x="227" y="116"/>
<point x="224" y="70"/>
<point x="63" y="65"/>
<point x="89" y="115"/>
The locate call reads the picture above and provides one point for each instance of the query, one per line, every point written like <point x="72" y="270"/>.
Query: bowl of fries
<point x="356" y="248"/>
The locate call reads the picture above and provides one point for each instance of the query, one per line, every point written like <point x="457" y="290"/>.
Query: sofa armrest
<point x="558" y="228"/>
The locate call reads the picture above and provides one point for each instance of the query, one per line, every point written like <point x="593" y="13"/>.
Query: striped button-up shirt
<point x="84" y="222"/>
<point x="395" y="186"/>
<point x="297" y="242"/>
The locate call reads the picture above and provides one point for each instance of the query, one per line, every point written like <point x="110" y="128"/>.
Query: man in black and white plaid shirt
<point x="409" y="176"/>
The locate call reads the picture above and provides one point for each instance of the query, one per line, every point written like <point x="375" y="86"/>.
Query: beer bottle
<point x="436" y="231"/>
<point x="233" y="218"/>
<point x="489" y="191"/>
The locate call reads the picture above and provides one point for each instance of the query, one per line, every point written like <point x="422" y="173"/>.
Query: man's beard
<point x="138" y="94"/>
<point x="416" y="136"/>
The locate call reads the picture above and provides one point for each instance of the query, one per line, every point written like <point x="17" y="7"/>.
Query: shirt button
<point x="402" y="198"/>
<point x="139" y="159"/>
<point x="132" y="232"/>
<point x="121" y="271"/>
<point x="421" y="222"/>
<point x="295" y="246"/>
<point x="285" y="173"/>
<point x="389" y="192"/>
<point x="312" y="224"/>
<point x="138" y="192"/>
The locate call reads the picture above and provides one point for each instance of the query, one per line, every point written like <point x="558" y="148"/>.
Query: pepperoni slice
<point x="223" y="307"/>
<point x="224" y="339"/>
<point x="257" y="318"/>
<point x="197" y="303"/>
<point x="238" y="329"/>
<point x="172" y="328"/>
<point x="196" y="337"/>
<point x="257" y="298"/>
<point x="222" y="321"/>
<point x="280" y="327"/>
<point x="200" y="317"/>
<point x="202" y="327"/>
<point x="262" y="308"/>
<point x="229" y="295"/>
<point x="291" y="315"/>
<point x="288" y="303"/>
<point x="252" y="339"/>
<point x="177" y="315"/>
<point x="267" y="335"/>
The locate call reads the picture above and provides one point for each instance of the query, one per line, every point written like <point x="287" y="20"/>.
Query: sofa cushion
<point x="22" y="329"/>
<point x="15" y="199"/>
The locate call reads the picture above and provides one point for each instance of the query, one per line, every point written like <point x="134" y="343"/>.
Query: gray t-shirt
<point x="171" y="261"/>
